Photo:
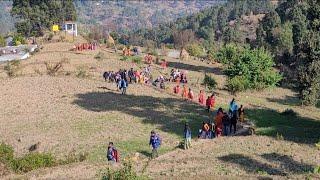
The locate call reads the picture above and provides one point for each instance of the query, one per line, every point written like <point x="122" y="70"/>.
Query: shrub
<point x="125" y="173"/>
<point x="34" y="161"/>
<point x="12" y="68"/>
<point x="209" y="82"/>
<point x="72" y="157"/>
<point x="53" y="68"/>
<point x="50" y="36"/>
<point x="18" y="40"/>
<point x="31" y="162"/>
<point x="6" y="153"/>
<point x="170" y="46"/>
<point x="227" y="54"/>
<point x="81" y="72"/>
<point x="237" y="84"/>
<point x="289" y="112"/>
<point x="195" y="50"/>
<point x="254" y="66"/>
<point x="99" y="56"/>
<point x="2" y="41"/>
<point x="136" y="59"/>
<point x="316" y="170"/>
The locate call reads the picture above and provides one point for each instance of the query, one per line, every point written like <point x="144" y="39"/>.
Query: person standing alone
<point x="187" y="136"/>
<point x="155" y="142"/>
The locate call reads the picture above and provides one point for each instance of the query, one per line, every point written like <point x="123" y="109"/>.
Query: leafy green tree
<point x="269" y="23"/>
<point x="248" y="69"/>
<point x="34" y="16"/>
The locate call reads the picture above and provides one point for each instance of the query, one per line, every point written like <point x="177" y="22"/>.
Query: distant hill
<point x="124" y="16"/>
<point x="6" y="21"/>
<point x="121" y="16"/>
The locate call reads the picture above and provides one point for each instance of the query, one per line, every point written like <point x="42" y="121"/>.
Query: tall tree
<point x="36" y="16"/>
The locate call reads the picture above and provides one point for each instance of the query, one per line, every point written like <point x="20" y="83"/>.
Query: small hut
<point x="71" y="28"/>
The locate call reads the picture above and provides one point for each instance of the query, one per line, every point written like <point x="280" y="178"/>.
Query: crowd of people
<point x="178" y="76"/>
<point x="223" y="124"/>
<point x="85" y="46"/>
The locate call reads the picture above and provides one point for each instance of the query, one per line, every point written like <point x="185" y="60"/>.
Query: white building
<point x="71" y="28"/>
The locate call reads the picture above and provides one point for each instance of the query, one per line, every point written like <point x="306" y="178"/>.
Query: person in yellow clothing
<point x="241" y="113"/>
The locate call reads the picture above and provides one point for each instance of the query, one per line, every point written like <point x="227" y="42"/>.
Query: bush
<point x="82" y="73"/>
<point x="31" y="162"/>
<point x="125" y="173"/>
<point x="18" y="40"/>
<point x="99" y="56"/>
<point x="237" y="84"/>
<point x="316" y="170"/>
<point x="289" y="112"/>
<point x="209" y="82"/>
<point x="34" y="161"/>
<point x="53" y="68"/>
<point x="2" y="41"/>
<point x="254" y="66"/>
<point x="12" y="68"/>
<point x="72" y="157"/>
<point x="195" y="50"/>
<point x="170" y="46"/>
<point x="136" y="59"/>
<point x="6" y="153"/>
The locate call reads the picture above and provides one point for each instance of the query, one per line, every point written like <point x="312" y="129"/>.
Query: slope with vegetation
<point x="292" y="34"/>
<point x="80" y="113"/>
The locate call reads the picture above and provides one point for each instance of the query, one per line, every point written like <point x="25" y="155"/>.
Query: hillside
<point x="69" y="113"/>
<point x="6" y="21"/>
<point x="124" y="16"/>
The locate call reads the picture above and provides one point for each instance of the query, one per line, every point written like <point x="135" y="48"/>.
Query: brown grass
<point x="66" y="113"/>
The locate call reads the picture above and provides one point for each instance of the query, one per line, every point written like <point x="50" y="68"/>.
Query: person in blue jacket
<point x="155" y="142"/>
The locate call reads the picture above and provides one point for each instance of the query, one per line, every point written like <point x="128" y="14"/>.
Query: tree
<point x="247" y="68"/>
<point x="34" y="16"/>
<point x="269" y="23"/>
<point x="182" y="38"/>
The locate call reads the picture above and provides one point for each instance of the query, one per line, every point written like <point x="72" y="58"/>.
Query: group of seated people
<point x="177" y="76"/>
<point x="224" y="122"/>
<point x="85" y="46"/>
<point x="126" y="51"/>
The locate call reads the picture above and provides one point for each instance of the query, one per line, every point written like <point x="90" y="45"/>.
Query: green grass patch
<point x="86" y="127"/>
<point x="127" y="172"/>
<point x="33" y="161"/>
<point x="134" y="59"/>
<point x="126" y="149"/>
<point x="289" y="125"/>
<point x="26" y="163"/>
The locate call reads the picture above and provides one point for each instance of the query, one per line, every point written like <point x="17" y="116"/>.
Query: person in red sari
<point x="190" y="94"/>
<point x="185" y="92"/>
<point x="213" y="100"/>
<point x="208" y="103"/>
<point x="176" y="89"/>
<point x="201" y="98"/>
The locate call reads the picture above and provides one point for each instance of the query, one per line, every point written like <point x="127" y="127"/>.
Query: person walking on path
<point x="112" y="153"/>
<point x="155" y="142"/>
<point x="123" y="86"/>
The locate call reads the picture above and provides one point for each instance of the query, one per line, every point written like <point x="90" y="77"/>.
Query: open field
<point x="66" y="113"/>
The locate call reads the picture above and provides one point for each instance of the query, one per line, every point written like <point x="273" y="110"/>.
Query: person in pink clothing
<point x="201" y="98"/>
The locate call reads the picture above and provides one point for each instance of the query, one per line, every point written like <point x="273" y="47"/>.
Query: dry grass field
<point x="68" y="113"/>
